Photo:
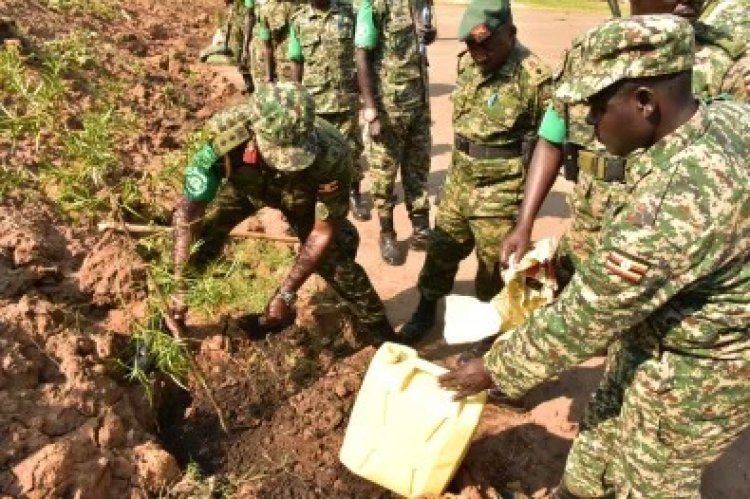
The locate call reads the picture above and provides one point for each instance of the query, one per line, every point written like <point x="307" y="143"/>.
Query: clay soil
<point x="71" y="427"/>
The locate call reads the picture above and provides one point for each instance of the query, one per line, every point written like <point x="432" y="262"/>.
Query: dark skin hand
<point x="249" y="25"/>
<point x="543" y="169"/>
<point x="470" y="378"/>
<point x="186" y="223"/>
<point x="269" y="62"/>
<point x="366" y="81"/>
<point x="297" y="69"/>
<point x="313" y="249"/>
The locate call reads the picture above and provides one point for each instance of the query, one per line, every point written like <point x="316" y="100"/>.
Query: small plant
<point x="106" y="9"/>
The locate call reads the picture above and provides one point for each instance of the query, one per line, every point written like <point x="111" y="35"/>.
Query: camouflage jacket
<point x="672" y="267"/>
<point x="400" y="70"/>
<point x="722" y="63"/>
<point x="732" y="16"/>
<point x="502" y="107"/>
<point x="322" y="188"/>
<point x="327" y="42"/>
<point x="272" y="16"/>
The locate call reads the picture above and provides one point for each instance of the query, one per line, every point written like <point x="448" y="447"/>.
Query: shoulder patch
<point x="625" y="266"/>
<point x="231" y="138"/>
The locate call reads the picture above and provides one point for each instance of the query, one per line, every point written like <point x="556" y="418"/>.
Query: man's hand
<point x="470" y="378"/>
<point x="515" y="243"/>
<point x="427" y="36"/>
<point x="277" y="313"/>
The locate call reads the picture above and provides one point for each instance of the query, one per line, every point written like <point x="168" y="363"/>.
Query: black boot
<point x="380" y="332"/>
<point x="420" y="322"/>
<point x="360" y="212"/>
<point x="389" y="249"/>
<point x="420" y="237"/>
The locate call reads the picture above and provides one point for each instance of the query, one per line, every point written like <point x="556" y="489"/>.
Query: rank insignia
<point x="619" y="264"/>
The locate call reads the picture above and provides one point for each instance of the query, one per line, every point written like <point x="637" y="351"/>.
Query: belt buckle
<point x="614" y="170"/>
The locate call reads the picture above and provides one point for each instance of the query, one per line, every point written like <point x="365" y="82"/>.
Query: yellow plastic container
<point x="405" y="432"/>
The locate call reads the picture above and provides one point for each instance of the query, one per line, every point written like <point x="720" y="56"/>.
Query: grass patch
<point x="105" y="9"/>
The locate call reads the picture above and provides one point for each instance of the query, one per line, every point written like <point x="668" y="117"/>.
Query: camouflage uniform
<point x="326" y="40"/>
<point x="492" y="114"/>
<point x="272" y="18"/>
<point x="302" y="193"/>
<point x="236" y="34"/>
<point x="732" y="16"/>
<point x="672" y="271"/>
<point x="721" y="64"/>
<point x="403" y="109"/>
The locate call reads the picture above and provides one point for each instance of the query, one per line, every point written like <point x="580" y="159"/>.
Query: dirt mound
<point x="68" y="428"/>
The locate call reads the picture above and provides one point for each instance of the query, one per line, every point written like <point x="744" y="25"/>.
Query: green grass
<point x="106" y="9"/>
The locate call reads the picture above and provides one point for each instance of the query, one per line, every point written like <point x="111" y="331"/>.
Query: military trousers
<point x="656" y="422"/>
<point x="478" y="207"/>
<point x="404" y="145"/>
<point x="348" y="124"/>
<point x="338" y="266"/>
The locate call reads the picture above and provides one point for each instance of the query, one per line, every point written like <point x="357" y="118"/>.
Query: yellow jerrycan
<point x="406" y="433"/>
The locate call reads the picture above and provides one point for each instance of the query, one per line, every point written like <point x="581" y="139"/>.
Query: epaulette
<point x="711" y="35"/>
<point x="230" y="128"/>
<point x="536" y="68"/>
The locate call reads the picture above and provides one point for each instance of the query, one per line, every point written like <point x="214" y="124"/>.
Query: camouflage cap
<point x="621" y="48"/>
<point x="493" y="14"/>
<point x="283" y="119"/>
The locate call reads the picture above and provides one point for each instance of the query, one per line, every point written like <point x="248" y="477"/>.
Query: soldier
<point x="231" y="43"/>
<point x="501" y="93"/>
<point x="392" y="80"/>
<point x="565" y="138"/>
<point x="322" y="48"/>
<point x="270" y="41"/>
<point x="671" y="271"/>
<point x="272" y="151"/>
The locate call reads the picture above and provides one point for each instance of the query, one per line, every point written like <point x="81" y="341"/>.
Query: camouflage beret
<point x="283" y="119"/>
<point x="622" y="48"/>
<point x="492" y="13"/>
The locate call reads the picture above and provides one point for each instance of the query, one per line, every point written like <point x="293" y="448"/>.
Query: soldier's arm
<point x="365" y="41"/>
<point x="249" y="22"/>
<point x="201" y="183"/>
<point x="294" y="54"/>
<point x="649" y="253"/>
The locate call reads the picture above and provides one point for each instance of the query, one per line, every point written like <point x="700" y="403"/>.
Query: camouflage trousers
<point x="479" y="203"/>
<point x="348" y="125"/>
<point x="283" y="66"/>
<point x="404" y="144"/>
<point x="337" y="267"/>
<point x="655" y="423"/>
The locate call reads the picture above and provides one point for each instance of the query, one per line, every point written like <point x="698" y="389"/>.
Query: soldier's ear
<point x="645" y="99"/>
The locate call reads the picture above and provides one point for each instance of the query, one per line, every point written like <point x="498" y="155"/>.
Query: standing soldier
<point x="321" y="45"/>
<point x="270" y="41"/>
<point x="392" y="80"/>
<point x="501" y="93"/>
<point x="566" y="139"/>
<point x="669" y="284"/>
<point x="273" y="151"/>
<point x="231" y="43"/>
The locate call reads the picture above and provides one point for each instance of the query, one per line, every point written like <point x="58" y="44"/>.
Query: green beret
<point x="492" y="13"/>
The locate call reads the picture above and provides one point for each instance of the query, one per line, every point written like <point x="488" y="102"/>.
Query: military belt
<point x="481" y="151"/>
<point x="601" y="167"/>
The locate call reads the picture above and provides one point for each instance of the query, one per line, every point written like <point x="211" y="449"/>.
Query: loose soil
<point x="71" y="427"/>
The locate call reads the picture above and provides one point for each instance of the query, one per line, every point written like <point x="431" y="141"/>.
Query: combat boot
<point x="360" y="212"/>
<point x="380" y="332"/>
<point x="420" y="322"/>
<point x="420" y="236"/>
<point x="389" y="249"/>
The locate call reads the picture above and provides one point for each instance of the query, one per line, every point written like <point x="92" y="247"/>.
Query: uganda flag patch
<point x="625" y="266"/>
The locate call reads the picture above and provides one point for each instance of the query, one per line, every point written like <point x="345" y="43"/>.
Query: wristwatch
<point x="289" y="297"/>
<point x="369" y="114"/>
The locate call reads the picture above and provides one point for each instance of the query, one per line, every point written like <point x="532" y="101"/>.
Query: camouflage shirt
<point x="399" y="67"/>
<point x="502" y="107"/>
<point x="721" y="64"/>
<point x="326" y="40"/>
<point x="672" y="268"/>
<point x="732" y="16"/>
<point x="272" y="22"/>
